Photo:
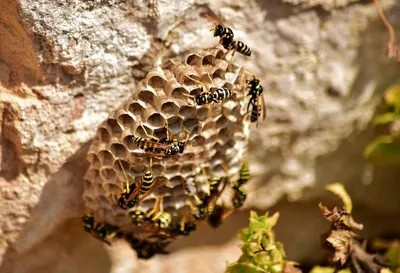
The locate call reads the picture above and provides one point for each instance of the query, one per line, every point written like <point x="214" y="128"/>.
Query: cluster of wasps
<point x="204" y="208"/>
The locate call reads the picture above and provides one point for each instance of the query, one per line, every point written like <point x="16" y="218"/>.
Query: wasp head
<point x="218" y="31"/>
<point x="181" y="146"/>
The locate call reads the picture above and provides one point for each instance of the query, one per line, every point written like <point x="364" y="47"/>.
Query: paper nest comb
<point x="218" y="138"/>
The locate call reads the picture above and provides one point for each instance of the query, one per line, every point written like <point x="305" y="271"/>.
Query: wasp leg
<point x="154" y="209"/>
<point x="206" y="179"/>
<point x="226" y="53"/>
<point x="233" y="54"/>
<point x="160" y="209"/>
<point x="264" y="108"/>
<point x="147" y="134"/>
<point x="126" y="178"/>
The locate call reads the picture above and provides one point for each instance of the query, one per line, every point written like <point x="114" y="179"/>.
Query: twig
<point x="393" y="50"/>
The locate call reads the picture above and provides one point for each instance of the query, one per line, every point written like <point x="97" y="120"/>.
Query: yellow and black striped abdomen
<point x="244" y="174"/>
<point x="255" y="113"/>
<point x="147" y="182"/>
<point x="242" y="48"/>
<point x="164" y="220"/>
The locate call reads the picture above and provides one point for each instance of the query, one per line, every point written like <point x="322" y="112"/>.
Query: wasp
<point x="147" y="182"/>
<point x="164" y="146"/>
<point x="131" y="193"/>
<point x="226" y="38"/>
<point x="127" y="198"/>
<point x="215" y="218"/>
<point x="224" y="33"/>
<point x="244" y="174"/>
<point x="146" y="249"/>
<point x="138" y="217"/>
<point x="102" y="231"/>
<point x="239" y="196"/>
<point x="206" y="207"/>
<point x="148" y="145"/>
<point x="213" y="94"/>
<point x="184" y="227"/>
<point x="239" y="193"/>
<point x="238" y="46"/>
<point x="161" y="218"/>
<point x="255" y="93"/>
<point x="221" y="93"/>
<point x="190" y="188"/>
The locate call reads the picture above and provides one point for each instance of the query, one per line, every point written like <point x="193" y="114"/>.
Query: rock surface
<point x="65" y="65"/>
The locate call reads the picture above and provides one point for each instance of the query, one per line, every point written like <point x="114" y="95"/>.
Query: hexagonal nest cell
<point x="161" y="105"/>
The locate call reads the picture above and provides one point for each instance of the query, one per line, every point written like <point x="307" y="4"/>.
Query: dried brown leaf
<point x="340" y="218"/>
<point x="342" y="237"/>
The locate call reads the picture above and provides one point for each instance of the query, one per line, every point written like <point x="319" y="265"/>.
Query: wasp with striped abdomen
<point x="226" y="38"/>
<point x="224" y="33"/>
<point x="131" y="194"/>
<point x="213" y="94"/>
<point x="127" y="199"/>
<point x="183" y="227"/>
<point x="239" y="193"/>
<point x="164" y="146"/>
<point x="146" y="249"/>
<point x="138" y="217"/>
<point x="255" y="91"/>
<point x="102" y="231"/>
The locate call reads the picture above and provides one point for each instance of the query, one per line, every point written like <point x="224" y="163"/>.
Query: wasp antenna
<point x="248" y="73"/>
<point x="199" y="82"/>
<point x="187" y="95"/>
<point x="211" y="80"/>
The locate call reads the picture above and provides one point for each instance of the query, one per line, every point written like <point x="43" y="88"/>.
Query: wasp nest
<point x="163" y="105"/>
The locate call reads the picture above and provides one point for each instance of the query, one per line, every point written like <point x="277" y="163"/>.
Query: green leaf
<point x="385" y="118"/>
<point x="324" y="269"/>
<point x="260" y="251"/>
<point x="242" y="268"/>
<point x="392" y="256"/>
<point x="383" y="151"/>
<point x="341" y="192"/>
<point x="392" y="95"/>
